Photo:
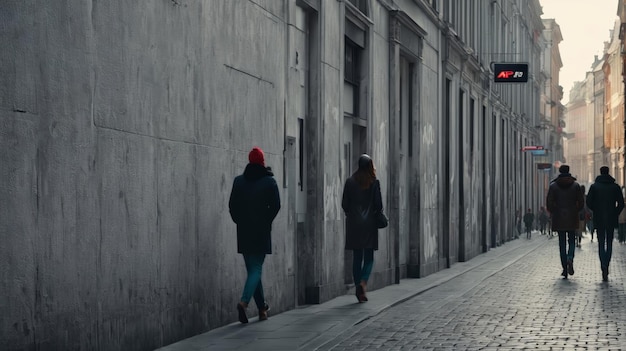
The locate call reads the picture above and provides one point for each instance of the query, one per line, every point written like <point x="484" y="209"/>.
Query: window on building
<point x="433" y="4"/>
<point x="361" y="5"/>
<point x="351" y="78"/>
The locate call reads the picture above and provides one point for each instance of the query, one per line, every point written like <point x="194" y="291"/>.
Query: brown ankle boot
<point x="363" y="289"/>
<point x="263" y="312"/>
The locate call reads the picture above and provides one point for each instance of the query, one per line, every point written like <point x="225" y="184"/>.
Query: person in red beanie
<point x="254" y="203"/>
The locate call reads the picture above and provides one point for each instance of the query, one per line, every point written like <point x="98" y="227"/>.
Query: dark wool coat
<point x="361" y="234"/>
<point x="606" y="201"/>
<point x="529" y="218"/>
<point x="564" y="201"/>
<point x="254" y="203"/>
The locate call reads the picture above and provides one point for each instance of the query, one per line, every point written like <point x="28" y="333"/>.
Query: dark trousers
<point x="567" y="253"/>
<point x="605" y="244"/>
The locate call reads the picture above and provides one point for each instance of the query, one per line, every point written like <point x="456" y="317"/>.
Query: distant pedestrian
<point x="621" y="228"/>
<point x="361" y="200"/>
<point x="543" y="220"/>
<point x="590" y="227"/>
<point x="254" y="203"/>
<point x="606" y="201"/>
<point x="518" y="223"/>
<point x="564" y="201"/>
<point x="581" y="220"/>
<point x="529" y="219"/>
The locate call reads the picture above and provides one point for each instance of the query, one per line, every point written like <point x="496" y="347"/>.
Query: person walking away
<point x="543" y="220"/>
<point x="254" y="203"/>
<point x="360" y="201"/>
<point x="581" y="221"/>
<point x="529" y="219"/>
<point x="621" y="227"/>
<point x="606" y="201"/>
<point x="590" y="227"/>
<point x="518" y="223"/>
<point x="564" y="201"/>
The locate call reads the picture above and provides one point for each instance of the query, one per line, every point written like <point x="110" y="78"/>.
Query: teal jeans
<point x="253" y="286"/>
<point x="362" y="263"/>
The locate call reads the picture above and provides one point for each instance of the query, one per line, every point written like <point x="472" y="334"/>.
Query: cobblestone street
<point x="527" y="305"/>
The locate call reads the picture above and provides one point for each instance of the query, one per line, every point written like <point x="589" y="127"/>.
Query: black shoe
<point x="605" y="274"/>
<point x="564" y="274"/>
<point x="570" y="267"/>
<point x="241" y="310"/>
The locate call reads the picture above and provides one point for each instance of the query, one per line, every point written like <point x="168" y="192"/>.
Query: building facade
<point x="614" y="104"/>
<point x="125" y="123"/>
<point x="550" y="126"/>
<point x="585" y="125"/>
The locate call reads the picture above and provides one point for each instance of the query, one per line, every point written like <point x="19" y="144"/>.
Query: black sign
<point x="510" y="72"/>
<point x="544" y="165"/>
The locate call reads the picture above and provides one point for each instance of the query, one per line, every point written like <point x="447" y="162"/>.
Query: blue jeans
<point x="253" y="286"/>
<point x="605" y="234"/>
<point x="567" y="254"/>
<point x="362" y="263"/>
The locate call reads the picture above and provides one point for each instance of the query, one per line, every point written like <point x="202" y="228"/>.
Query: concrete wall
<point x="123" y="125"/>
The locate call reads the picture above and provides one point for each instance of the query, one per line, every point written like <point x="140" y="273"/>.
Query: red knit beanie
<point x="256" y="156"/>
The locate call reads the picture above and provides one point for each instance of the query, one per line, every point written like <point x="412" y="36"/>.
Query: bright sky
<point x="585" y="26"/>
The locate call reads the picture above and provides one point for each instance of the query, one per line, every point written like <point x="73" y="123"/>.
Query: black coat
<point x="361" y="234"/>
<point x="565" y="199"/>
<point x="254" y="203"/>
<point x="606" y="201"/>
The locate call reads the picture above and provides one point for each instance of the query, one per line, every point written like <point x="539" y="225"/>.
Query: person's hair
<point x="366" y="174"/>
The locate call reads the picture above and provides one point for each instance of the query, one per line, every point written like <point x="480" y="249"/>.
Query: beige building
<point x="549" y="127"/>
<point x="585" y="125"/>
<point x="614" y="105"/>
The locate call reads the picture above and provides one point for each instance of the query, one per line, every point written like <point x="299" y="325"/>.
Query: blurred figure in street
<point x="590" y="227"/>
<point x="606" y="201"/>
<point x="360" y="201"/>
<point x="254" y="203"/>
<point x="621" y="227"/>
<point x="518" y="223"/>
<point x="581" y="221"/>
<point x="529" y="219"/>
<point x="543" y="220"/>
<point x="564" y="201"/>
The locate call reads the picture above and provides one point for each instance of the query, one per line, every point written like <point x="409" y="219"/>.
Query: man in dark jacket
<point x="606" y="201"/>
<point x="564" y="201"/>
<point x="254" y="203"/>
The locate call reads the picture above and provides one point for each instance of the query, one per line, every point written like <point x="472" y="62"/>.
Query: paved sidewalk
<point x="311" y="327"/>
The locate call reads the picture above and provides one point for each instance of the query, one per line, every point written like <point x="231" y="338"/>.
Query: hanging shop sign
<point x="538" y="152"/>
<point x="532" y="148"/>
<point x="510" y="72"/>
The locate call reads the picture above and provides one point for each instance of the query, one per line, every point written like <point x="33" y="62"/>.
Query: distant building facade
<point x="550" y="126"/>
<point x="584" y="146"/>
<point x="614" y="104"/>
